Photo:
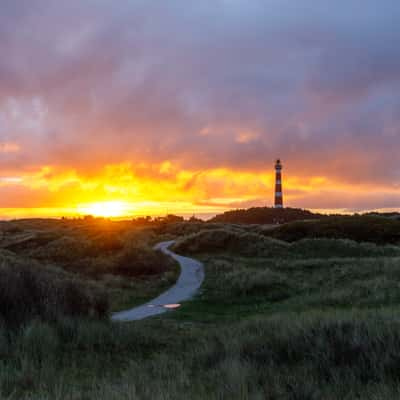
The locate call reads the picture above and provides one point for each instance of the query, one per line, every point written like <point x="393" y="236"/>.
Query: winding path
<point x="190" y="280"/>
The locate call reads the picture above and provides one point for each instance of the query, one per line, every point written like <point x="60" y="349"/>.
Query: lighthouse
<point x="278" y="185"/>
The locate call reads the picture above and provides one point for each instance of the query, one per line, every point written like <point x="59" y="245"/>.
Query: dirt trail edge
<point x="189" y="281"/>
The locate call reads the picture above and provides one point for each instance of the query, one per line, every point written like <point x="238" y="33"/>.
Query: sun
<point x="107" y="209"/>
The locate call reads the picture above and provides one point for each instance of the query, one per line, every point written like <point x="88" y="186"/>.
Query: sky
<point x="182" y="106"/>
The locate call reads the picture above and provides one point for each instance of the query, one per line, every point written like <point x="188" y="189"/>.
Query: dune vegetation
<point x="30" y="291"/>
<point x="375" y="229"/>
<point x="308" y="319"/>
<point x="265" y="215"/>
<point x="116" y="258"/>
<point x="242" y="242"/>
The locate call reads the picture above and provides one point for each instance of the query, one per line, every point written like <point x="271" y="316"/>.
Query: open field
<point x="115" y="258"/>
<point x="314" y="319"/>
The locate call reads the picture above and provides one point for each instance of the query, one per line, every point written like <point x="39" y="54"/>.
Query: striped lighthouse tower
<point x="278" y="185"/>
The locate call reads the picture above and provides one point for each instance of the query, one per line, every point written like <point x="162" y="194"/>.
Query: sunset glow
<point x="122" y="190"/>
<point x="108" y="209"/>
<point x="116" y="116"/>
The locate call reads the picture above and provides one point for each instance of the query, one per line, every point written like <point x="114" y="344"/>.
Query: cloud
<point x="8" y="147"/>
<point x="207" y="86"/>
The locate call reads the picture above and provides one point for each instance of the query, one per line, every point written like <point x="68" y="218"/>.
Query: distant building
<point x="278" y="185"/>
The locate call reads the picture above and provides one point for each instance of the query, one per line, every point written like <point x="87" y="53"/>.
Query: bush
<point x="225" y="240"/>
<point x="4" y="342"/>
<point x="39" y="341"/>
<point x="65" y="249"/>
<point x="358" y="228"/>
<point x="264" y="215"/>
<point x="139" y="260"/>
<point x="109" y="242"/>
<point x="320" y="248"/>
<point x="29" y="291"/>
<point x="243" y="243"/>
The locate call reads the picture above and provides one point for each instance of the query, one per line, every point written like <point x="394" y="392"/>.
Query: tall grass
<point x="99" y="257"/>
<point x="229" y="240"/>
<point x="29" y="291"/>
<point x="303" y="283"/>
<point x="341" y="355"/>
<point x="315" y="319"/>
<point x="130" y="255"/>
<point x="244" y="243"/>
<point x="359" y="228"/>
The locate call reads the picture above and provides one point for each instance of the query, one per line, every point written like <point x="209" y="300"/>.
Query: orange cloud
<point x="156" y="189"/>
<point x="98" y="107"/>
<point x="246" y="137"/>
<point x="9" y="147"/>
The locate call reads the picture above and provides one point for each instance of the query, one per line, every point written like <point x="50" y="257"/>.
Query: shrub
<point x="241" y="242"/>
<point x="359" y="228"/>
<point x="320" y="248"/>
<point x="264" y="215"/>
<point x="65" y="249"/>
<point x="225" y="240"/>
<point x="29" y="291"/>
<point x="39" y="341"/>
<point x="109" y="242"/>
<point x="4" y="342"/>
<point x="139" y="260"/>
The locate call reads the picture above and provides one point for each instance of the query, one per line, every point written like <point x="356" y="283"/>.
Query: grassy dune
<point x="313" y="355"/>
<point x="313" y="319"/>
<point x="115" y="258"/>
<point x="374" y="229"/>
<point x="30" y="291"/>
<point x="242" y="242"/>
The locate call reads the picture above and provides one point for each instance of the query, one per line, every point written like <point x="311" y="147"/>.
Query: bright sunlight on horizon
<point x="102" y="112"/>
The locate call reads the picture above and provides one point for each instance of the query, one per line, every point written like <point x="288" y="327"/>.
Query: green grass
<point x="264" y="215"/>
<point x="240" y="287"/>
<point x="29" y="291"/>
<point x="115" y="259"/>
<point x="125" y="294"/>
<point x="315" y="319"/>
<point x="308" y="355"/>
<point x="375" y="229"/>
<point x="252" y="243"/>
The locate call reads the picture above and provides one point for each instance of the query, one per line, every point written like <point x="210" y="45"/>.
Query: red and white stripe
<point x="278" y="185"/>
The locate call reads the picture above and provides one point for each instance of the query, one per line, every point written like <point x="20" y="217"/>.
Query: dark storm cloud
<point x="86" y="83"/>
